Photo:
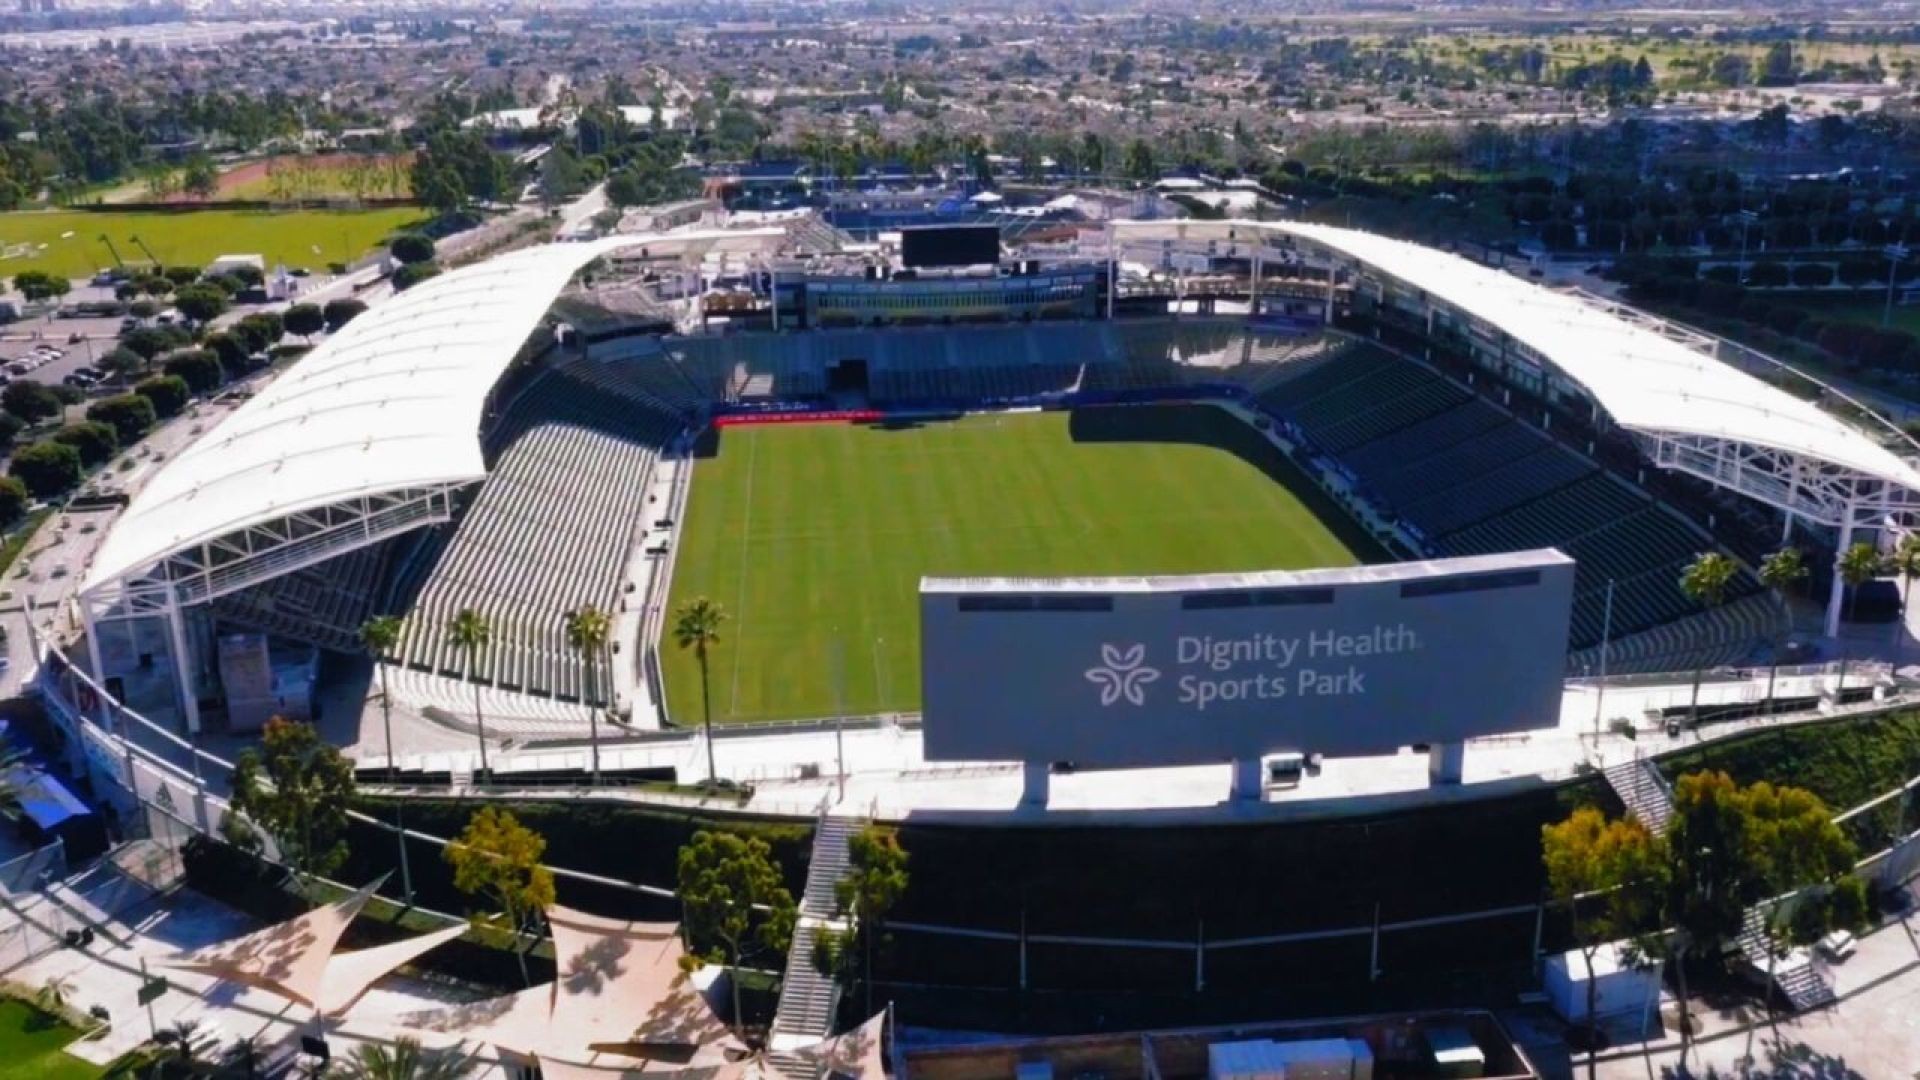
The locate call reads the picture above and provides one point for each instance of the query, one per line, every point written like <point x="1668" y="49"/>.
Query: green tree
<point x="1780" y="572"/>
<point x="234" y="354"/>
<point x="48" y="469"/>
<point x="498" y="860"/>
<point x="470" y="632"/>
<point x="1705" y="582"/>
<point x="201" y="303"/>
<point x="29" y="400"/>
<point x="41" y="285"/>
<point x="722" y="877"/>
<point x="1795" y="846"/>
<point x="130" y="415"/>
<point x="305" y="320"/>
<point x="200" y="178"/>
<point x="1141" y="166"/>
<point x="1605" y="873"/>
<point x="404" y="1060"/>
<point x="123" y="362"/>
<point x="169" y="394"/>
<point x="1905" y="562"/>
<point x="298" y="788"/>
<point x="381" y="635"/>
<point x="696" y="626"/>
<point x="95" y="441"/>
<point x="339" y="313"/>
<point x="875" y="880"/>
<point x="199" y="368"/>
<point x="1859" y="564"/>
<point x="588" y="631"/>
<point x="406" y="277"/>
<point x="1708" y="876"/>
<point x="413" y="247"/>
<point x="13" y="501"/>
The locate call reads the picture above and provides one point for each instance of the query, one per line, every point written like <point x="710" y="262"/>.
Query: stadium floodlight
<point x="1896" y="254"/>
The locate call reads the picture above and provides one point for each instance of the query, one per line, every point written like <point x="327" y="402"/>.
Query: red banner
<point x="823" y="416"/>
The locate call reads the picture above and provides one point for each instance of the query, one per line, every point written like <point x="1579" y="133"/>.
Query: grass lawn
<point x="1869" y="313"/>
<point x="814" y="537"/>
<point x="32" y="1046"/>
<point x="72" y="246"/>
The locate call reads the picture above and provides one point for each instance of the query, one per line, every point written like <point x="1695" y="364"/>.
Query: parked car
<point x="1837" y="946"/>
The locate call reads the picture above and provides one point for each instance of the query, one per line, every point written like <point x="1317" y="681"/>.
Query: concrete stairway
<point x="1798" y="977"/>
<point x="808" y="999"/>
<point x="1643" y="791"/>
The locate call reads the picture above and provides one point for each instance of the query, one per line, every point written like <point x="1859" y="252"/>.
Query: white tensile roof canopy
<point x="1707" y="417"/>
<point x="393" y="402"/>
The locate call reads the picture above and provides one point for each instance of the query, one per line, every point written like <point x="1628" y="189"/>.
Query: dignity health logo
<point x="1123" y="673"/>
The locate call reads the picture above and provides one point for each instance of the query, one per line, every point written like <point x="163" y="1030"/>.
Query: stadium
<point x="806" y="429"/>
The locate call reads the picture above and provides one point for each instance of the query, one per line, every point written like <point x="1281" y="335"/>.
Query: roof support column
<point x="182" y="667"/>
<point x="1838" y="593"/>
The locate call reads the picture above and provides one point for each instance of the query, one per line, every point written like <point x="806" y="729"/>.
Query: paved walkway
<point x="1873" y="1032"/>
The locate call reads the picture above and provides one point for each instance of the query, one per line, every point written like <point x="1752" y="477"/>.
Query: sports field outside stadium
<point x="814" y="537"/>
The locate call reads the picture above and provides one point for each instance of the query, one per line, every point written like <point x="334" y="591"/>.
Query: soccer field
<point x="814" y="537"/>
<point x="68" y="242"/>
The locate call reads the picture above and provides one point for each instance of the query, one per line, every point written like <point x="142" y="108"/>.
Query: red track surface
<point x="825" y="416"/>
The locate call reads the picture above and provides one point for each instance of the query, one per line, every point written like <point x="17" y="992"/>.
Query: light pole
<point x="1747" y="218"/>
<point x="1896" y="254"/>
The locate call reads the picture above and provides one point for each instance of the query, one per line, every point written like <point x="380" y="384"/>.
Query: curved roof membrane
<point x="394" y="401"/>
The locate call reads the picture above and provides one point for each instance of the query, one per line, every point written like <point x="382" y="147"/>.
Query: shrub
<point x="48" y="469"/>
<point x="1813" y="275"/>
<point x="412" y="248"/>
<point x="1767" y="274"/>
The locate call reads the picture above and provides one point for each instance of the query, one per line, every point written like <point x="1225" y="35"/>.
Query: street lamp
<point x="1896" y="254"/>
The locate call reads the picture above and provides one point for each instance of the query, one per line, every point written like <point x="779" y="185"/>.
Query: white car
<point x="1837" y="946"/>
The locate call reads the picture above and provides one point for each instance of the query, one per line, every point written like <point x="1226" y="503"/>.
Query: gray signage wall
<point x="1137" y="672"/>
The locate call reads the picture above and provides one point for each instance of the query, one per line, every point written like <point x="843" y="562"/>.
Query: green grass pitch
<point x="67" y="242"/>
<point x="814" y="537"/>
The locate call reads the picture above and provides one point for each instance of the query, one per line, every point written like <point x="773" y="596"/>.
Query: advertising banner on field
<point x="1166" y="671"/>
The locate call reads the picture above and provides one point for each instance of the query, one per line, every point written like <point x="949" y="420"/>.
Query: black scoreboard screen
<point x="950" y="245"/>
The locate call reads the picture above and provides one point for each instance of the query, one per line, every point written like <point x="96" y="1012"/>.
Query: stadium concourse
<point x="454" y="450"/>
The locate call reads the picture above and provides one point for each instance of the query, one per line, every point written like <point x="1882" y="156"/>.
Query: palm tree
<point x="404" y="1060"/>
<point x="471" y="633"/>
<point x="1906" y="563"/>
<point x="696" y="626"/>
<point x="588" y="629"/>
<point x="1705" y="582"/>
<point x="381" y="634"/>
<point x="1858" y="565"/>
<point x="1779" y="571"/>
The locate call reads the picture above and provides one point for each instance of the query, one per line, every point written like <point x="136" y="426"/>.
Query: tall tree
<point x="588" y="631"/>
<point x="1780" y="572"/>
<point x="297" y="787"/>
<point x="1705" y="582"/>
<point x="380" y="635"/>
<point x="1606" y="874"/>
<point x="498" y="859"/>
<point x="1905" y="561"/>
<point x="1859" y="564"/>
<point x="470" y="632"/>
<point x="875" y="880"/>
<point x="723" y="876"/>
<point x="696" y="626"/>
